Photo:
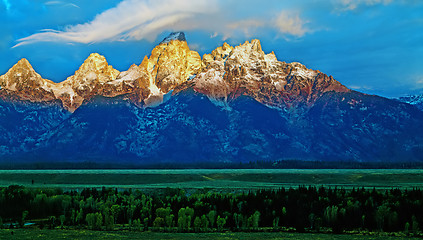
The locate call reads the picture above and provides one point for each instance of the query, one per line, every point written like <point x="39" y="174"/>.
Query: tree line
<point x="175" y="210"/>
<point x="260" y="164"/>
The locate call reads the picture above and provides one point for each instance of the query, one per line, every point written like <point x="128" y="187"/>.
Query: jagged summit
<point x="226" y="73"/>
<point x="26" y="84"/>
<point x="23" y="63"/>
<point x="180" y="36"/>
<point x="170" y="65"/>
<point x="96" y="60"/>
<point x="246" y="70"/>
<point x="97" y="64"/>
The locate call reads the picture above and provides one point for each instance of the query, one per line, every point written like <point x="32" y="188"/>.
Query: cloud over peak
<point x="146" y="19"/>
<point x="130" y="19"/>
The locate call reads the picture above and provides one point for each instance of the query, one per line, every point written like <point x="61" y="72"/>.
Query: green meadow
<point x="214" y="178"/>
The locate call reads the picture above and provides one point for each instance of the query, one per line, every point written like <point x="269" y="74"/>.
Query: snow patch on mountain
<point x="416" y="100"/>
<point x="300" y="70"/>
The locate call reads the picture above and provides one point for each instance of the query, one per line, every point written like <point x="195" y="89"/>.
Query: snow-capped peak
<point x="180" y="36"/>
<point x="226" y="73"/>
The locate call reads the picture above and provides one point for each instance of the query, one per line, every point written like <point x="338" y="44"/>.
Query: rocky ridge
<point x="246" y="70"/>
<point x="227" y="73"/>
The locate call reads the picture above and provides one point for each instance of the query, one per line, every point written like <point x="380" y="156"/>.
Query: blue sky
<point x="373" y="46"/>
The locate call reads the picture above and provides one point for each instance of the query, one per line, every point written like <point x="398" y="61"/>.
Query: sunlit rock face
<point x="86" y="82"/>
<point x="236" y="104"/>
<point x="171" y="63"/>
<point x="230" y="72"/>
<point x="26" y="84"/>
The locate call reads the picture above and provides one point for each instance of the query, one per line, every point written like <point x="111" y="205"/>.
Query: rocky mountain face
<point x="229" y="72"/>
<point x="170" y="64"/>
<point x="23" y="122"/>
<point x="236" y="104"/>
<point x="26" y="84"/>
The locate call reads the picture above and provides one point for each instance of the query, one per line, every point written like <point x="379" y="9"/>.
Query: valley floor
<point x="221" y="179"/>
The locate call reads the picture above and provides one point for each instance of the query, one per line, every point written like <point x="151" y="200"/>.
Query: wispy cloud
<point x="196" y="47"/>
<point x="64" y="4"/>
<point x="363" y="87"/>
<point x="7" y="4"/>
<point x="285" y="23"/>
<point x="291" y="23"/>
<point x="350" y="5"/>
<point x="130" y="19"/>
<point x="213" y="35"/>
<point x="418" y="82"/>
<point x="138" y="19"/>
<point x="246" y="26"/>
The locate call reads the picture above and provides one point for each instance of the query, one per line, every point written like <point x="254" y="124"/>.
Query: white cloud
<point x="130" y="19"/>
<point x="350" y="5"/>
<point x="291" y="23"/>
<point x="146" y="19"/>
<point x="285" y="23"/>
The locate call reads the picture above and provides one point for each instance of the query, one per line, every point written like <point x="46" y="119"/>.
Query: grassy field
<point x="34" y="234"/>
<point x="214" y="179"/>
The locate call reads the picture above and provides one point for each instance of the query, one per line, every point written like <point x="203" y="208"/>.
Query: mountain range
<point x="236" y="104"/>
